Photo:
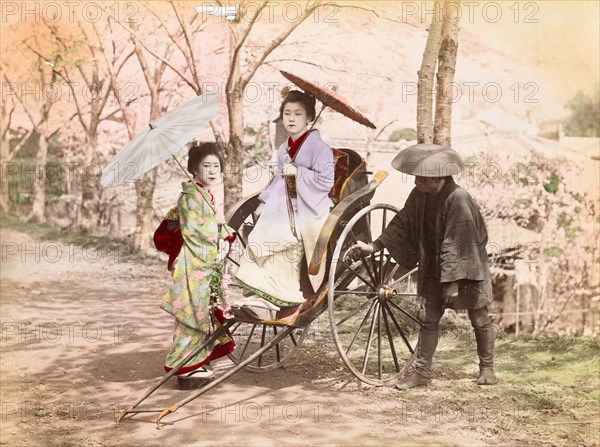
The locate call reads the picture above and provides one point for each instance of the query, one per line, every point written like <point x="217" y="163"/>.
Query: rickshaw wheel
<point x="373" y="304"/>
<point x="250" y="337"/>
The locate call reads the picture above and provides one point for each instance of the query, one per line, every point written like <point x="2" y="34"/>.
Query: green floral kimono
<point x="189" y="298"/>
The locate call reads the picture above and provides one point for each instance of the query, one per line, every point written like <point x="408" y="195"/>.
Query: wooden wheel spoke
<point x="359" y="276"/>
<point x="403" y="277"/>
<point x="390" y="275"/>
<point x="354" y="292"/>
<point x="359" y="330"/>
<point x="371" y="330"/>
<point x="277" y="353"/>
<point x="365" y="264"/>
<point x="234" y="328"/>
<point x="390" y="337"/>
<point x="401" y="332"/>
<point x="416" y="320"/>
<point x="262" y="343"/>
<point x="293" y="339"/>
<point x="354" y="312"/>
<point x="379" y="366"/>
<point x="382" y="266"/>
<point x="344" y="279"/>
<point x="248" y="341"/>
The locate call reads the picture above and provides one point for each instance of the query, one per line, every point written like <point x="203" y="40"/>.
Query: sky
<point x="539" y="53"/>
<point x="558" y="40"/>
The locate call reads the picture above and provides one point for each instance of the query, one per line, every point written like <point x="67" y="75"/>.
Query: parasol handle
<point x="317" y="118"/>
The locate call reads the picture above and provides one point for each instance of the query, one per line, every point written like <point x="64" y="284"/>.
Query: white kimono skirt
<point x="270" y="265"/>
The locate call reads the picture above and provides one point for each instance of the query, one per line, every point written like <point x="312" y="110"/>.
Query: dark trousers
<point x="428" y="337"/>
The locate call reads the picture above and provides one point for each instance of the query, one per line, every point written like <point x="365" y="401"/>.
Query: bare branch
<point x="27" y="111"/>
<point x="19" y="146"/>
<point x="6" y="125"/>
<point x="160" y="58"/>
<point x="245" y="32"/>
<point x="191" y="60"/>
<point x="322" y="67"/>
<point x="372" y="11"/>
<point x="164" y="26"/>
<point x="253" y="66"/>
<point x="383" y="128"/>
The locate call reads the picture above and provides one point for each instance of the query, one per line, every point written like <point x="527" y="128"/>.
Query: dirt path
<point x="82" y="336"/>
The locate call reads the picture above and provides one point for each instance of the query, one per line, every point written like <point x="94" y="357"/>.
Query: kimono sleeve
<point x="199" y="228"/>
<point x="321" y="175"/>
<point x="264" y="196"/>
<point x="463" y="254"/>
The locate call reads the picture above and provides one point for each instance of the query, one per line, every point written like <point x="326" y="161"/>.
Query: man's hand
<point x="289" y="170"/>
<point x="359" y="249"/>
<point x="450" y="292"/>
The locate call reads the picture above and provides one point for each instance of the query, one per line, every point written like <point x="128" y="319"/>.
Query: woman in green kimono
<point x="197" y="272"/>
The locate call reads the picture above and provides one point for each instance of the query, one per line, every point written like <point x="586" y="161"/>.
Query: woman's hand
<point x="289" y="170"/>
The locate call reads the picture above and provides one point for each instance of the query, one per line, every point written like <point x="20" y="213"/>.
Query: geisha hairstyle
<point x="307" y="100"/>
<point x="199" y="151"/>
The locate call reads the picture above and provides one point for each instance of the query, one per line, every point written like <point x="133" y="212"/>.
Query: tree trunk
<point x="445" y="75"/>
<point x="144" y="188"/>
<point x="234" y="164"/>
<point x="39" y="180"/>
<point x="4" y="162"/>
<point x="89" y="187"/>
<point x="425" y="83"/>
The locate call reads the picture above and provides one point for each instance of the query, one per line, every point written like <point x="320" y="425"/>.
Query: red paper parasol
<point x="330" y="98"/>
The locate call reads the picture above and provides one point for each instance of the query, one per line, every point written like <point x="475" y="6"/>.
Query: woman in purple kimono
<point x="296" y="204"/>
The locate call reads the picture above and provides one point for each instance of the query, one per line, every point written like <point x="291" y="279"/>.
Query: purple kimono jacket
<point x="315" y="178"/>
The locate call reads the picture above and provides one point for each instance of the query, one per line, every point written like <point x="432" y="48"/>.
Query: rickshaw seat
<point x="347" y="163"/>
<point x="342" y="171"/>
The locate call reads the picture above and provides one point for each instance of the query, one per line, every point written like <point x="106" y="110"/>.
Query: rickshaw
<point x="372" y="305"/>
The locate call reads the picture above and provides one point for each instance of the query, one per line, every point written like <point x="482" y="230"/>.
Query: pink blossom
<point x="226" y="309"/>
<point x="177" y="304"/>
<point x="199" y="275"/>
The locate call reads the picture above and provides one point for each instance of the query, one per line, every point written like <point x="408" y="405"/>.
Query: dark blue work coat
<point x="450" y="247"/>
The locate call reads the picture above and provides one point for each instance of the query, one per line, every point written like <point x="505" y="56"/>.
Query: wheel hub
<point x="385" y="293"/>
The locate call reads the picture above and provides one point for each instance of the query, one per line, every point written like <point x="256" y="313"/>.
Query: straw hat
<point x="428" y="160"/>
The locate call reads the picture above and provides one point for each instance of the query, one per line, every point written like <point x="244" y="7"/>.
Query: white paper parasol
<point x="161" y="140"/>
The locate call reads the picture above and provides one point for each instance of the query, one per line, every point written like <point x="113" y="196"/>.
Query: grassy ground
<point x="549" y="390"/>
